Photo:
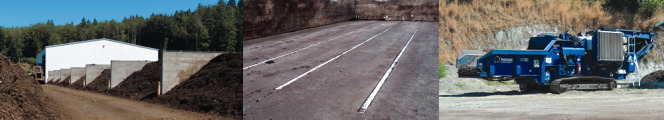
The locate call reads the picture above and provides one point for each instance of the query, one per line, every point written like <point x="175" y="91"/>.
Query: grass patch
<point x="441" y="70"/>
<point x="490" y="83"/>
<point x="460" y="85"/>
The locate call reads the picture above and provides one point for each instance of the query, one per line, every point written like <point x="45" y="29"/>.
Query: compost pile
<point x="20" y="96"/>
<point x="64" y="82"/>
<point x="467" y="71"/>
<point x="100" y="83"/>
<point x="78" y="84"/>
<point x="215" y="89"/>
<point x="654" y="76"/>
<point x="141" y="84"/>
<point x="53" y="82"/>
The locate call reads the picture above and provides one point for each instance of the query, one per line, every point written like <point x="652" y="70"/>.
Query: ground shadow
<point x="484" y="94"/>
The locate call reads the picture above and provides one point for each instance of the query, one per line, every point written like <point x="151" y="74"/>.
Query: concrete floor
<point x="339" y="88"/>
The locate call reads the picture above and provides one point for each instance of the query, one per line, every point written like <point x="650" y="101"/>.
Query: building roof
<point x="101" y="39"/>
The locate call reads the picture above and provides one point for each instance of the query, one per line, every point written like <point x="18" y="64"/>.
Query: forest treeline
<point x="208" y="28"/>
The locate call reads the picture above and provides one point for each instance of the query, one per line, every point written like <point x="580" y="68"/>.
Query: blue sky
<point x="19" y="13"/>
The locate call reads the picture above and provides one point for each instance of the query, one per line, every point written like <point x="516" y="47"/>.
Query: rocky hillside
<point x="485" y="25"/>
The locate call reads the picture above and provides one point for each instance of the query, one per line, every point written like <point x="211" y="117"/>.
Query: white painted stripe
<point x="328" y="61"/>
<point x="279" y="42"/>
<point x="387" y="73"/>
<point x="294" y="51"/>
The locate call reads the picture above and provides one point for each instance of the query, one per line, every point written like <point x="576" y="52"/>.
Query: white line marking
<point x="387" y="73"/>
<point x="328" y="61"/>
<point x="294" y="51"/>
<point x="279" y="42"/>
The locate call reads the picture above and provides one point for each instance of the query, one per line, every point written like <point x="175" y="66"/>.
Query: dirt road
<point x="616" y="104"/>
<point x="83" y="105"/>
<point x="329" y="71"/>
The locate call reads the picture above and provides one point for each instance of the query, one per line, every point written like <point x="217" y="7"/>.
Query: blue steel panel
<point x="631" y="67"/>
<point x="518" y="69"/>
<point x="526" y="66"/>
<point x="519" y="52"/>
<point x="40" y="58"/>
<point x="573" y="51"/>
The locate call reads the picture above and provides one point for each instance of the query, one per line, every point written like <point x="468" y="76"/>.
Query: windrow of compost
<point x="100" y="83"/>
<point x="78" y="84"/>
<point x="141" y="84"/>
<point x="20" y="95"/>
<point x="215" y="89"/>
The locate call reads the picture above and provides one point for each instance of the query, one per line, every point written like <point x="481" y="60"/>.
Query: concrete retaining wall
<point x="57" y="75"/>
<point x="64" y="73"/>
<point x="122" y="69"/>
<point x="179" y="66"/>
<point x="50" y="77"/>
<point x="408" y="10"/>
<point x="76" y="73"/>
<point x="54" y="76"/>
<point x="92" y="71"/>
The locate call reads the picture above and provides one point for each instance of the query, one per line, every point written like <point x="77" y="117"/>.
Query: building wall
<point x="99" y="51"/>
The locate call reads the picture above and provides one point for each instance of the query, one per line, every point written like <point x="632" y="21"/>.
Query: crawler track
<point x="582" y="83"/>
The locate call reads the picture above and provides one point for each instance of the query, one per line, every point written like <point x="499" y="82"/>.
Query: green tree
<point x="156" y="31"/>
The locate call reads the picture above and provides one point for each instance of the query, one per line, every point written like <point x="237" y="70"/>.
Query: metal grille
<point x="610" y="46"/>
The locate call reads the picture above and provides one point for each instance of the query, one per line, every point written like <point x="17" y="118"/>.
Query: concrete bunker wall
<point x="50" y="77"/>
<point x="120" y="70"/>
<point x="55" y="76"/>
<point x="179" y="66"/>
<point x="64" y="73"/>
<point x="92" y="71"/>
<point x="76" y="73"/>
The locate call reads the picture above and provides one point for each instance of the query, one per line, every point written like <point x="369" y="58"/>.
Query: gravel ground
<point x="452" y="84"/>
<point x="476" y="100"/>
<point x="616" y="104"/>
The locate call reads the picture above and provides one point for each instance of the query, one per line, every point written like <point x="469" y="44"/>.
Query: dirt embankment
<point x="425" y="10"/>
<point x="141" y="84"/>
<point x="100" y="83"/>
<point x="20" y="95"/>
<point x="269" y="17"/>
<point x="215" y="89"/>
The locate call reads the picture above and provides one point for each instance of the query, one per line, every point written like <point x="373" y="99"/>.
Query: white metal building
<point x="96" y="51"/>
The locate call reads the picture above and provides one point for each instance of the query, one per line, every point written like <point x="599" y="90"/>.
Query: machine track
<point x="582" y="83"/>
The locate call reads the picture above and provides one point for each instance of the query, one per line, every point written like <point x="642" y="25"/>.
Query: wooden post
<point x="158" y="88"/>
